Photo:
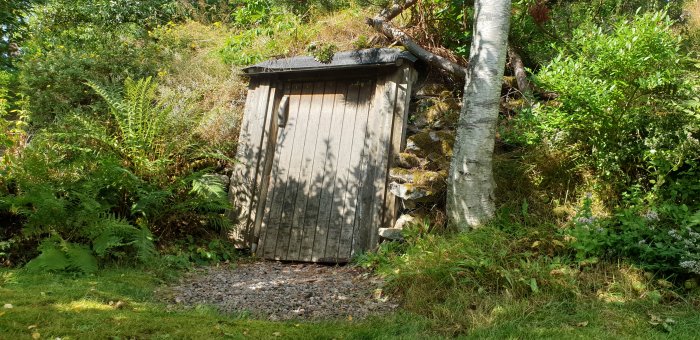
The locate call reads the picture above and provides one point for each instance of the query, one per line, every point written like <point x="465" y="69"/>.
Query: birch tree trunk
<point x="470" y="196"/>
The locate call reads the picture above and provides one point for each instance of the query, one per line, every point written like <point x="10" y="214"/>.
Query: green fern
<point x="112" y="233"/>
<point x="60" y="255"/>
<point x="209" y="187"/>
<point x="141" y="134"/>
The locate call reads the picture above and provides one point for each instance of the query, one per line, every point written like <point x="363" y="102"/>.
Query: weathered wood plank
<point x="343" y="171"/>
<point x="239" y="189"/>
<point x="404" y="77"/>
<point x="296" y="166"/>
<point x="356" y="174"/>
<point x="277" y="92"/>
<point x="263" y="126"/>
<point x="279" y="175"/>
<point x="306" y="176"/>
<point x="365" y="205"/>
<point x="382" y="158"/>
<point x="320" y="168"/>
<point x="248" y="155"/>
<point x="328" y="187"/>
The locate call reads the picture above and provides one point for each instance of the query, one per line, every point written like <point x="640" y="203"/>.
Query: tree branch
<point x="392" y="12"/>
<point x="520" y="75"/>
<point x="380" y="24"/>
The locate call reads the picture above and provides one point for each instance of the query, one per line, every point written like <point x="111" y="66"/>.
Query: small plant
<point x="322" y="52"/>
<point x="663" y="238"/>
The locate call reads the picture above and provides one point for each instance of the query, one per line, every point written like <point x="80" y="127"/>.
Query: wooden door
<point x="321" y="185"/>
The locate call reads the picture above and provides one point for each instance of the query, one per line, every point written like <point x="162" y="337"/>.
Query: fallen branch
<point x="380" y="24"/>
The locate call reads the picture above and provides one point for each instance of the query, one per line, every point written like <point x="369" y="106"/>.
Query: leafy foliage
<point x="59" y="255"/>
<point x="629" y="122"/>
<point x="666" y="239"/>
<point x="111" y="185"/>
<point x="618" y="106"/>
<point x="69" y="42"/>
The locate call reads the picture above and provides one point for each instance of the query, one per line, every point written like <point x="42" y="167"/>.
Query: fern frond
<point x="209" y="187"/>
<point x="50" y="259"/>
<point x="80" y="258"/>
<point x="112" y="233"/>
<point x="58" y="254"/>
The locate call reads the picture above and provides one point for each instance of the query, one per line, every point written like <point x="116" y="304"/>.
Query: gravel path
<point x="279" y="291"/>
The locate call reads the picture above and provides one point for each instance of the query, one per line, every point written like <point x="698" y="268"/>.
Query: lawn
<point x="121" y="304"/>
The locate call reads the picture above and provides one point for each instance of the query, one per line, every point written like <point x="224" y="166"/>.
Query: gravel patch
<point x="282" y="291"/>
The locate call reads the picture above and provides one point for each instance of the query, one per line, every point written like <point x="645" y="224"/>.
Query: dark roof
<point x="342" y="60"/>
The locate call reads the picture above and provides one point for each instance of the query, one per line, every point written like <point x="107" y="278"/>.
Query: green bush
<point x="539" y="38"/>
<point x="625" y="117"/>
<point x="618" y="111"/>
<point x="69" y="42"/>
<point x="260" y="23"/>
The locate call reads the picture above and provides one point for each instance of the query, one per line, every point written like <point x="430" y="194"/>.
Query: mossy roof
<point x="367" y="58"/>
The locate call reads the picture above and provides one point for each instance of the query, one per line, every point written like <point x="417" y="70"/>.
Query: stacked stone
<point x="419" y="175"/>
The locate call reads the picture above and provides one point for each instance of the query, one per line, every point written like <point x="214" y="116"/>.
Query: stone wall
<point x="419" y="175"/>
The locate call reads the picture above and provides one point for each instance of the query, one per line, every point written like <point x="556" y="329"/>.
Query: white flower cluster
<point x="651" y="216"/>
<point x="585" y="220"/>
<point x="692" y="266"/>
<point x="691" y="242"/>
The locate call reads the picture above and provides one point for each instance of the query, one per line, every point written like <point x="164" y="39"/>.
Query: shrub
<point x="272" y="37"/>
<point x="70" y="42"/>
<point x="620" y="113"/>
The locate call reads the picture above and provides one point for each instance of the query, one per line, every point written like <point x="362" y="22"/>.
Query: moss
<point x="431" y="142"/>
<point x="510" y="81"/>
<point x="419" y="178"/>
<point x="438" y="163"/>
<point x="437" y="110"/>
<point x="512" y="104"/>
<point x="407" y="160"/>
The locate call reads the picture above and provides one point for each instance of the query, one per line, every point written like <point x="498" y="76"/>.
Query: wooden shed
<point x="316" y="142"/>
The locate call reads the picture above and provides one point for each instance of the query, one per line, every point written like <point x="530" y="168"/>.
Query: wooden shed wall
<point x="303" y="195"/>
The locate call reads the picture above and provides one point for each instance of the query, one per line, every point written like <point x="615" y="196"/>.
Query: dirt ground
<point x="285" y="291"/>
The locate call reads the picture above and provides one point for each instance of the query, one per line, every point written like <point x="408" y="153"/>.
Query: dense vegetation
<point x="119" y="119"/>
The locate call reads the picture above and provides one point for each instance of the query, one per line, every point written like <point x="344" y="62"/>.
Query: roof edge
<point x="366" y="58"/>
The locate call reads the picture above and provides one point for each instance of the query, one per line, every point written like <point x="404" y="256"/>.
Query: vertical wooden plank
<point x="279" y="175"/>
<point x="328" y="187"/>
<point x="398" y="135"/>
<point x="239" y="189"/>
<point x="343" y="171"/>
<point x="322" y="161"/>
<point x="356" y="174"/>
<point x="263" y="125"/>
<point x="364" y="211"/>
<point x="269" y="158"/>
<point x="307" y="176"/>
<point x="380" y="156"/>
<point x="243" y="184"/>
<point x="296" y="166"/>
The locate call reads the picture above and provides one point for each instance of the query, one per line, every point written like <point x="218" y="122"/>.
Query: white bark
<point x="470" y="196"/>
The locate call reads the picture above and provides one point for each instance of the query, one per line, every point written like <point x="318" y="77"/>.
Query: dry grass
<point x="693" y="8"/>
<point x="198" y="82"/>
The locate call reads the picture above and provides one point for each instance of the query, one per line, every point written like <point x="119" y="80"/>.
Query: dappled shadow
<point x="322" y="189"/>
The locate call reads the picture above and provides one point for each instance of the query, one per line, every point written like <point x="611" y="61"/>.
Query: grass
<point x="79" y="308"/>
<point x="518" y="284"/>
<point x="120" y="303"/>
